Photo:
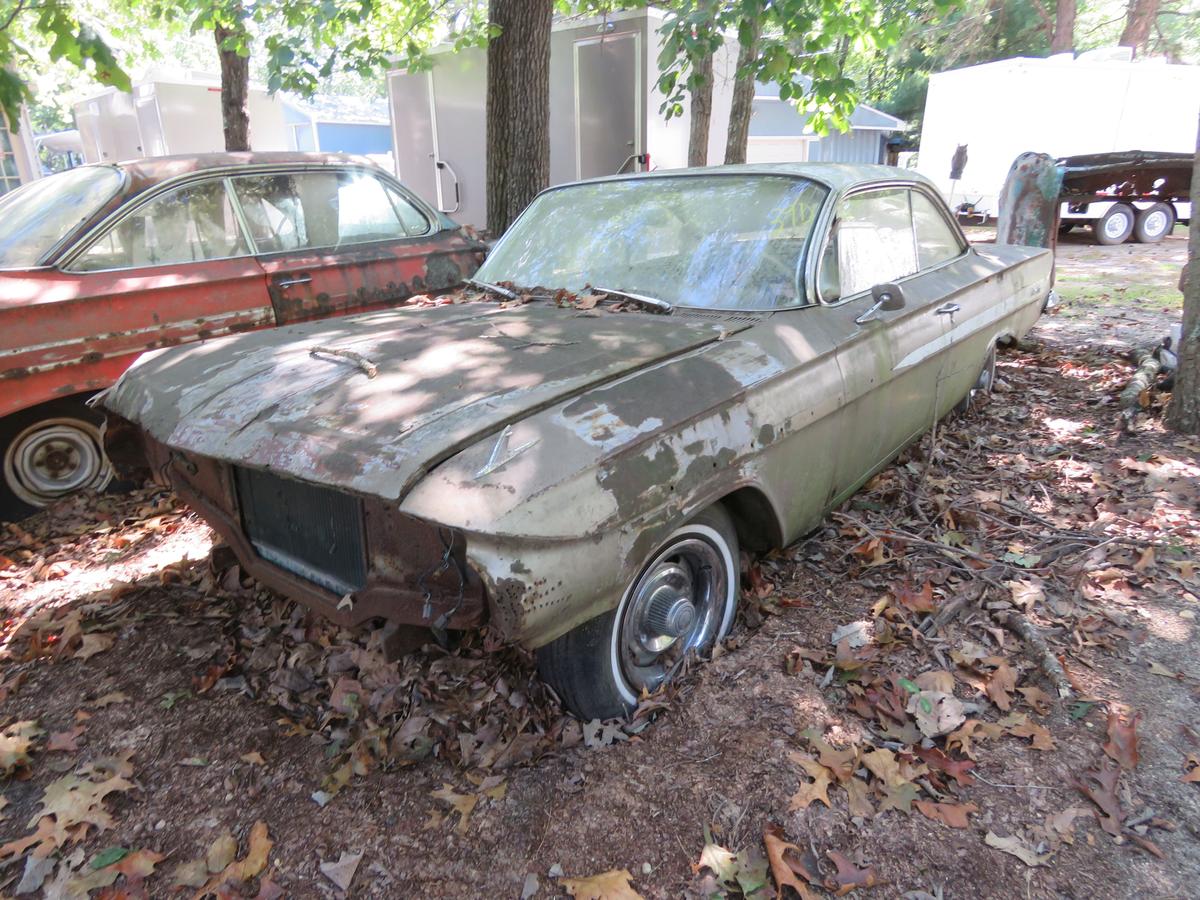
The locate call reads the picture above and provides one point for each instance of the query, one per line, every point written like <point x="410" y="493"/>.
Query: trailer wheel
<point x="1154" y="223"/>
<point x="1115" y="226"/>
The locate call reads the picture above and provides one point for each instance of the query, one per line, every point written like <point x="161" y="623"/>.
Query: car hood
<point x="371" y="403"/>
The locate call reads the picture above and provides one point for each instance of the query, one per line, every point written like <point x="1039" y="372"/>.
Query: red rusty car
<point x="103" y="262"/>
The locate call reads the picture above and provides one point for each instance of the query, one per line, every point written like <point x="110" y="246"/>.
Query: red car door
<point x="337" y="240"/>
<point x="177" y="268"/>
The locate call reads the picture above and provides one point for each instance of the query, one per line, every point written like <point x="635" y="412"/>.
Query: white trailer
<point x="604" y="112"/>
<point x="167" y="115"/>
<point x="1098" y="102"/>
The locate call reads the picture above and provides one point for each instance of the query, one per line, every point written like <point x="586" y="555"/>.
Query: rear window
<point x="34" y="218"/>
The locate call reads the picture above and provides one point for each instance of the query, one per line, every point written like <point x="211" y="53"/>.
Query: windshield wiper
<point x="493" y="288"/>
<point x="653" y="302"/>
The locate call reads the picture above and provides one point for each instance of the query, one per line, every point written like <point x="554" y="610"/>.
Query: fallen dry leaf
<point x="1039" y="736"/>
<point x="858" y="798"/>
<point x="254" y="758"/>
<point x="840" y="763"/>
<point x="1018" y="848"/>
<point x="916" y="599"/>
<point x="221" y="853"/>
<point x="958" y="769"/>
<point x="1122" y="745"/>
<point x="463" y="804"/>
<point x="15" y="743"/>
<point x="64" y="741"/>
<point x="849" y="876"/>
<point x="93" y="643"/>
<point x="342" y="872"/>
<point x="785" y="871"/>
<point x="936" y="713"/>
<point x="1000" y="686"/>
<point x="1104" y="794"/>
<point x="258" y="850"/>
<point x="1037" y="698"/>
<point x="611" y="885"/>
<point x="1191" y="769"/>
<point x="952" y="814"/>
<point x="810" y="791"/>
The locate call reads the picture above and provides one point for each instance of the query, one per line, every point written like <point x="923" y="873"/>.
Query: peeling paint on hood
<point x="445" y="377"/>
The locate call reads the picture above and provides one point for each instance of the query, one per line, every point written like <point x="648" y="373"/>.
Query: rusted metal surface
<point x="1029" y="202"/>
<point x="1132" y="175"/>
<point x="403" y="553"/>
<point x="561" y="446"/>
<point x="66" y="333"/>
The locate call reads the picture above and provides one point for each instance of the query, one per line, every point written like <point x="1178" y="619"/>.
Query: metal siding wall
<point x="853" y="147"/>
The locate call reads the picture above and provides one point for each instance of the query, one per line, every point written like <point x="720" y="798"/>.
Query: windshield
<point x="716" y="241"/>
<point x="37" y="216"/>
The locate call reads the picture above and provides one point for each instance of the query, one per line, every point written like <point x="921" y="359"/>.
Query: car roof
<point x="836" y="176"/>
<point x="147" y="172"/>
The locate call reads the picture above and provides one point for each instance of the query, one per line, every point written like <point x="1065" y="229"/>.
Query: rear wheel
<point x="1154" y="223"/>
<point x="1115" y="226"/>
<point x="680" y="604"/>
<point x="48" y="452"/>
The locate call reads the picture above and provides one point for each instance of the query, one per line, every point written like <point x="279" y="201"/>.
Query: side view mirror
<point x="887" y="296"/>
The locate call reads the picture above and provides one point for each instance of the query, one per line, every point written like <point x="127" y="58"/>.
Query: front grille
<point x="314" y="532"/>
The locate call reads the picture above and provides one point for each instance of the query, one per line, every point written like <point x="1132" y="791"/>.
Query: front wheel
<point x="680" y="604"/>
<point x="48" y="452"/>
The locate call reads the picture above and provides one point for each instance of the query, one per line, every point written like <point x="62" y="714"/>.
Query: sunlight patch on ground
<point x="80" y="578"/>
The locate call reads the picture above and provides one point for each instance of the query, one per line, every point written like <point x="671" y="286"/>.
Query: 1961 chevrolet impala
<point x="653" y="371"/>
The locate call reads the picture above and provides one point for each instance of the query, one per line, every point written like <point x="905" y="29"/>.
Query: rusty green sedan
<point x="648" y="374"/>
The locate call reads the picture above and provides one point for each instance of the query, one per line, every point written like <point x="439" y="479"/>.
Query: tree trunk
<point x="1063" y="40"/>
<point x="1139" y="19"/>
<point x="1184" y="412"/>
<point x="235" y="88"/>
<point x="518" y="108"/>
<point x="701" y="110"/>
<point x="743" y="96"/>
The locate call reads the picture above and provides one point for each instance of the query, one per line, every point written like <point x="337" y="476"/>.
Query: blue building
<point x="340" y="125"/>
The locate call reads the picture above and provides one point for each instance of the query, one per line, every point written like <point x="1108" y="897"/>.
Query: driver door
<point x="334" y="241"/>
<point x="890" y="361"/>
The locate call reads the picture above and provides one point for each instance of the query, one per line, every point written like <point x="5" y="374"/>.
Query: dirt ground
<point x="167" y="723"/>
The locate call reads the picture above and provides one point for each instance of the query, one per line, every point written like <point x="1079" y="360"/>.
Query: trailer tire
<point x="1154" y="223"/>
<point x="1115" y="226"/>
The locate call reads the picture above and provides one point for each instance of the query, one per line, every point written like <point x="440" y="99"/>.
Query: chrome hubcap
<point x="53" y="458"/>
<point x="674" y="609"/>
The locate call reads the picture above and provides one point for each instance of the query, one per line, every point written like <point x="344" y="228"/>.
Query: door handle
<point x="296" y="279"/>
<point x="947" y="309"/>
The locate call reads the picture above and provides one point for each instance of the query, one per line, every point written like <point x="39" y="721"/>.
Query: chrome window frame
<point x="872" y="187"/>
